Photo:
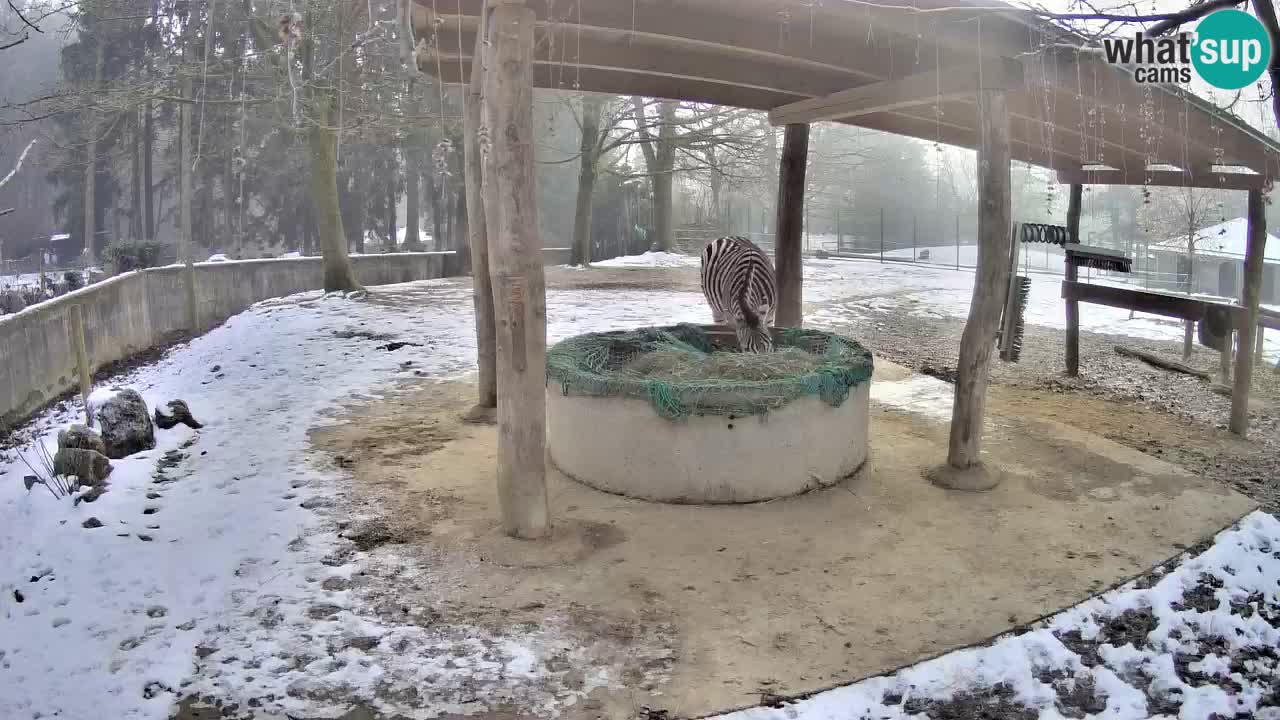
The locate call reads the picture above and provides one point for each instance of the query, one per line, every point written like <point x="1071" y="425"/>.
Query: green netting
<point x="683" y="370"/>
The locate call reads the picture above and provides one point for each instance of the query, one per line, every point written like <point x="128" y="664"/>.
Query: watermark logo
<point x="1229" y="50"/>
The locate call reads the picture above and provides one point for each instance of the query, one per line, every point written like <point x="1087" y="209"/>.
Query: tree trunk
<point x="184" y="204"/>
<point x="391" y="212"/>
<point x="434" y="189"/>
<point x="592" y="106"/>
<point x="135" y="178"/>
<point x="964" y="469"/>
<point x="148" y="194"/>
<point x="519" y="290"/>
<point x="91" y="244"/>
<point x="323" y="140"/>
<point x="1189" y="327"/>
<point x="412" y="151"/>
<point x="229" y="208"/>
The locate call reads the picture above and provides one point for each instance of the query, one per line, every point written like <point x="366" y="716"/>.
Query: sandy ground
<point x="696" y="610"/>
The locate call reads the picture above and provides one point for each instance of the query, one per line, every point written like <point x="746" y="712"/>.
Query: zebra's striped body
<point x="738" y="282"/>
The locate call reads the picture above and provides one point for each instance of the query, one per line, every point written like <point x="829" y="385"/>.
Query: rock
<point x="11" y="301"/>
<point x="90" y="466"/>
<point x="126" y="425"/>
<point x="178" y="413"/>
<point x="91" y="523"/>
<point x="80" y="437"/>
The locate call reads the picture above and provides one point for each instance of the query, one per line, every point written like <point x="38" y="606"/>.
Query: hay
<point x="679" y="365"/>
<point x="680" y="371"/>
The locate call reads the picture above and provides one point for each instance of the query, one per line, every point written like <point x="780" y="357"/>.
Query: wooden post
<point x="881" y="234"/>
<point x="957" y="241"/>
<point x="184" y="201"/>
<point x="519" y="293"/>
<point x="914" y="235"/>
<point x="1252" y="289"/>
<point x="39" y="269"/>
<point x="1072" y="273"/>
<point x="964" y="469"/>
<point x="1259" y="344"/>
<point x="76" y="327"/>
<point x="788" y="258"/>
<point x="1225" y="357"/>
<point x="1010" y="323"/>
<point x="481" y="287"/>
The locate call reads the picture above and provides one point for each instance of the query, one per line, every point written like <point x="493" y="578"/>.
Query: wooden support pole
<point x="1258" y="345"/>
<point x="83" y="369"/>
<point x="1257" y="228"/>
<point x="1074" y="204"/>
<point x="1225" y="357"/>
<point x="787" y="250"/>
<point x="964" y="469"/>
<point x="481" y="287"/>
<point x="519" y="292"/>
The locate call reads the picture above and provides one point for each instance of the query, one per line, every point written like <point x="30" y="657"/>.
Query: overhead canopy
<point x="906" y="67"/>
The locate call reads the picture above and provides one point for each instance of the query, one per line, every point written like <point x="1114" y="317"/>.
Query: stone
<point x="80" y="437"/>
<point x="89" y="466"/>
<point x="178" y="413"/>
<point x="126" y="425"/>
<point x="91" y="523"/>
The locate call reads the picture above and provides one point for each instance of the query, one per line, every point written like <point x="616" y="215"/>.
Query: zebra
<point x="738" y="282"/>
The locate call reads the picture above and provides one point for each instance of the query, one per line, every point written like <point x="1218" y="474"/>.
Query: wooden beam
<point x="925" y="88"/>
<point x="1253" y="260"/>
<point x="964" y="468"/>
<point x="1164" y="178"/>
<point x="1174" y="306"/>
<point x="1074" y="204"/>
<point x="788" y="255"/>
<point x="481" y="286"/>
<point x="519" y="291"/>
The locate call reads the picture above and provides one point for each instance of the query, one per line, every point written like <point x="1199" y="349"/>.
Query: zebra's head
<point x="754" y="338"/>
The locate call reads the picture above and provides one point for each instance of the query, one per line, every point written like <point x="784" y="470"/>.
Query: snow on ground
<point x="652" y="259"/>
<point x="1037" y="666"/>
<point x="221" y="546"/>
<point x="843" y="290"/>
<point x="209" y="540"/>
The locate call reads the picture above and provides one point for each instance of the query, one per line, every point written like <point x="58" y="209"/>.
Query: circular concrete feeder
<point x="611" y="438"/>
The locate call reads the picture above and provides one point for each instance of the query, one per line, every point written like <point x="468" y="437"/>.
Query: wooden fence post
<point x="76" y="326"/>
<point x="788" y="258"/>
<point x="1253" y="258"/>
<point x="519" y="292"/>
<point x="964" y="469"/>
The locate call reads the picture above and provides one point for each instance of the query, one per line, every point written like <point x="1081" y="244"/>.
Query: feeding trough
<point x="676" y="414"/>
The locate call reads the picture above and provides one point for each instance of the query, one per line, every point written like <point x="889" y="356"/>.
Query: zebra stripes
<point x="739" y="284"/>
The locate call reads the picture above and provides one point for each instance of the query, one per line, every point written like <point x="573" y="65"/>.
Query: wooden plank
<point x="1072" y="358"/>
<point x="964" y="451"/>
<point x="1174" y="306"/>
<point x="519" y="292"/>
<point x="1164" y="178"/>
<point x="477" y="231"/>
<point x="918" y="89"/>
<point x="1253" y="260"/>
<point x="788" y="251"/>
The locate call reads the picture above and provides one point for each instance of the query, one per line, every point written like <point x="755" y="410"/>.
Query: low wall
<point x="129" y="313"/>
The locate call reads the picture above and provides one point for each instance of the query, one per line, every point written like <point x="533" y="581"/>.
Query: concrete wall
<point x="135" y="311"/>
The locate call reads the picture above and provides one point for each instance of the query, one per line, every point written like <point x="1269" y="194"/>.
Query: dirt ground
<point x="701" y="609"/>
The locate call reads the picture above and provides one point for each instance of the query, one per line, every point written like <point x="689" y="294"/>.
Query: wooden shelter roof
<point x="908" y="67"/>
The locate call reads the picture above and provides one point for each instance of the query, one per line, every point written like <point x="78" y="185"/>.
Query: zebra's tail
<point x="749" y="313"/>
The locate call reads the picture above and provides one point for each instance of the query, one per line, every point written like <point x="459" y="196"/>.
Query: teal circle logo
<point x="1231" y="49"/>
